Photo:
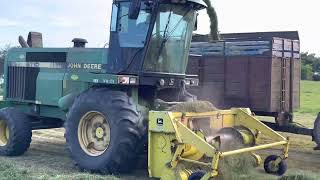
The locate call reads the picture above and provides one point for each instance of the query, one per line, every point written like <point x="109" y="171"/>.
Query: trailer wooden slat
<point x="262" y="74"/>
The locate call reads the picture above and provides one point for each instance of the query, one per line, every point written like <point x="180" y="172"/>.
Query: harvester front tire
<point x="126" y="130"/>
<point x="17" y="138"/>
<point x="279" y="169"/>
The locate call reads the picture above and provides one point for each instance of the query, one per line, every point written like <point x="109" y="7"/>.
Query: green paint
<point x="49" y="88"/>
<point x="66" y="102"/>
<point x="58" y="75"/>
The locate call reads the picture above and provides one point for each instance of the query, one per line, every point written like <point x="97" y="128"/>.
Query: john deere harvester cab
<point x="102" y="96"/>
<point x="154" y="42"/>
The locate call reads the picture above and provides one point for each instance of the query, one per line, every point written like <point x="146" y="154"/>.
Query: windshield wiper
<point x="165" y="36"/>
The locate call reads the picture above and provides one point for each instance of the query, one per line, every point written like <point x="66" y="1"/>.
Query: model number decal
<point x="105" y="81"/>
<point x="84" y="66"/>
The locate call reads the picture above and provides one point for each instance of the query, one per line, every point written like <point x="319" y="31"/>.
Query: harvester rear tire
<point x="126" y="131"/>
<point x="19" y="132"/>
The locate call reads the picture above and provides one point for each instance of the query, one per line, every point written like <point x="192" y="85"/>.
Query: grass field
<point x="48" y="158"/>
<point x="309" y="103"/>
<point x="310" y="97"/>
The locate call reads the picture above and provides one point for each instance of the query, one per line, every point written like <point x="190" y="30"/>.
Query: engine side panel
<point x="37" y="74"/>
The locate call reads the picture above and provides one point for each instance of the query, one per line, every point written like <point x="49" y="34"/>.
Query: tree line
<point x="310" y="66"/>
<point x="3" y="54"/>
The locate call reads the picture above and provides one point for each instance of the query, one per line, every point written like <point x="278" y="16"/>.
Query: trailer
<point x="261" y="71"/>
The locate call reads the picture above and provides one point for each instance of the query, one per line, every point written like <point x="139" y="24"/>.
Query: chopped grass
<point x="9" y="171"/>
<point x="13" y="171"/>
<point x="237" y="167"/>
<point x="301" y="175"/>
<point x="48" y="159"/>
<point x="199" y="106"/>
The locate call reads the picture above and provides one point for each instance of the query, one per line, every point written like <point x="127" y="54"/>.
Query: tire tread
<point x="129" y="122"/>
<point x="20" y="132"/>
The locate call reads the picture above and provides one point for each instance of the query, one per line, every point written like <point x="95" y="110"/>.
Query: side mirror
<point x="134" y="9"/>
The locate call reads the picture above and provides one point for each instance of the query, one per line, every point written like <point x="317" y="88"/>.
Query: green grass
<point x="309" y="97"/>
<point x="14" y="171"/>
<point x="309" y="103"/>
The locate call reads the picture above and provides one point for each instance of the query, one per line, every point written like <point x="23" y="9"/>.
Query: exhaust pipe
<point x="23" y="42"/>
<point x="79" y="43"/>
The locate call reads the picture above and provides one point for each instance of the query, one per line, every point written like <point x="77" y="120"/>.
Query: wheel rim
<point x="273" y="166"/>
<point x="4" y="133"/>
<point x="94" y="133"/>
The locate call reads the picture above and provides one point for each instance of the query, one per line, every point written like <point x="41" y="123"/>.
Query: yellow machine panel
<point x="178" y="142"/>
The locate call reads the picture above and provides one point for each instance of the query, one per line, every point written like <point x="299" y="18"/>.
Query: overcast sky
<point x="62" y="20"/>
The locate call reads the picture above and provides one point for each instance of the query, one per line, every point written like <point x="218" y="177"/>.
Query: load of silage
<point x="233" y="167"/>
<point x="198" y="107"/>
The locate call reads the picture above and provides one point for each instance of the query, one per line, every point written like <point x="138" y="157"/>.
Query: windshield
<point x="170" y="42"/>
<point x="132" y="33"/>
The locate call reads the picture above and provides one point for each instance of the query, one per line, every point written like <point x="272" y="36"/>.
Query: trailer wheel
<point x="284" y="118"/>
<point x="272" y="167"/>
<point x="15" y="132"/>
<point x="103" y="130"/>
<point x="316" y="131"/>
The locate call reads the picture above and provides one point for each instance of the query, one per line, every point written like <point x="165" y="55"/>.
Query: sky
<point x="62" y="20"/>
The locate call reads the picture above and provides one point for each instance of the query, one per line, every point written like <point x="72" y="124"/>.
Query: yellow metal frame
<point x="172" y="128"/>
